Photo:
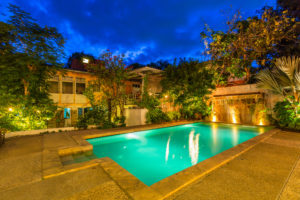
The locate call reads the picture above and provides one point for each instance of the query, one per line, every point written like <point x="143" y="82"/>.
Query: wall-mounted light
<point x="10" y="109"/>
<point x="85" y="60"/>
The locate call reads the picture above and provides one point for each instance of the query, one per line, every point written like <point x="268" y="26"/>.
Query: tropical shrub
<point x="151" y="103"/>
<point x="286" y="114"/>
<point x="97" y="115"/>
<point x="82" y="122"/>
<point x="173" y="115"/>
<point x="187" y="85"/>
<point x="120" y="121"/>
<point x="156" y="116"/>
<point x="284" y="80"/>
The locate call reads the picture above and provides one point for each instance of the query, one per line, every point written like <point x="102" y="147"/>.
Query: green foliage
<point x="120" y="121"/>
<point x="97" y="115"/>
<point x="259" y="38"/>
<point x="196" y="109"/>
<point x="111" y="75"/>
<point x="283" y="79"/>
<point x="287" y="114"/>
<point x="152" y="103"/>
<point x="173" y="115"/>
<point x="26" y="115"/>
<point x="107" y="125"/>
<point x="29" y="56"/>
<point x="187" y="85"/>
<point x="148" y="101"/>
<point x="156" y="115"/>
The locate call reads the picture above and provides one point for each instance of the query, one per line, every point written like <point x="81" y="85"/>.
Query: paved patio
<point x="269" y="170"/>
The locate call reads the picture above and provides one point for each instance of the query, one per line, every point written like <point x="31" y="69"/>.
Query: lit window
<point x="80" y="112"/>
<point x="67" y="113"/>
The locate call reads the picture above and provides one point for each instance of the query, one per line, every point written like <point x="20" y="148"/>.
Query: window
<point x="80" y="112"/>
<point x="53" y="87"/>
<point x="80" y="85"/>
<point x="67" y="113"/>
<point x="87" y="109"/>
<point x="80" y="88"/>
<point x="136" y="86"/>
<point x="67" y="88"/>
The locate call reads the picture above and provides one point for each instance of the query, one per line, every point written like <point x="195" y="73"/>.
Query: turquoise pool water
<point x="155" y="154"/>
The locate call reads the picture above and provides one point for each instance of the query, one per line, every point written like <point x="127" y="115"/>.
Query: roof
<point x="146" y="69"/>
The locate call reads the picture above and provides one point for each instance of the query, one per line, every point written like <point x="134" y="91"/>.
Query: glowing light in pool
<point x="215" y="137"/>
<point x="168" y="149"/>
<point x="214" y="132"/>
<point x="132" y="136"/>
<point x="235" y="135"/>
<point x="194" y="147"/>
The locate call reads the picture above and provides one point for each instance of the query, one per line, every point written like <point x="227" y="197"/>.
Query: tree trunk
<point x="248" y="74"/>
<point x="109" y="109"/>
<point x="25" y="87"/>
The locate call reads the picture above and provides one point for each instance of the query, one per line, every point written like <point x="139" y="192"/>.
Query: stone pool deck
<point x="31" y="168"/>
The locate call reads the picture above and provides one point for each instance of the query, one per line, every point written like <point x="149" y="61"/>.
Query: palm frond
<point x="288" y="65"/>
<point x="297" y="75"/>
<point x="267" y="80"/>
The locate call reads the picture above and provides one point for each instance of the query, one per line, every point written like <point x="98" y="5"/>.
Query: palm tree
<point x="283" y="79"/>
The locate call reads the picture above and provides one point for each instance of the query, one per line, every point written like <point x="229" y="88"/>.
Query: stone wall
<point x="245" y="104"/>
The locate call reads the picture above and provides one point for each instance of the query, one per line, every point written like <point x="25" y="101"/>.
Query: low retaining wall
<point x="37" y="132"/>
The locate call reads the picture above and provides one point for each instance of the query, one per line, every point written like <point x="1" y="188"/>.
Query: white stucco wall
<point x="135" y="116"/>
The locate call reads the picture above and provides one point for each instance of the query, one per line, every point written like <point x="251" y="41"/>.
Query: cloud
<point x="144" y="31"/>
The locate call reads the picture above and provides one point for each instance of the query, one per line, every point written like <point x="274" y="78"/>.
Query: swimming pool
<point x="153" y="155"/>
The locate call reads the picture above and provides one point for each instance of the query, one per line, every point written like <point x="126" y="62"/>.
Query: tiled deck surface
<point x="30" y="168"/>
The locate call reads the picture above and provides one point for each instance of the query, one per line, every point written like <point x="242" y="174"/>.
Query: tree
<point x="111" y="76"/>
<point x="187" y="84"/>
<point x="160" y="64"/>
<point x="292" y="6"/>
<point x="152" y="104"/>
<point x="29" y="56"/>
<point x="257" y="39"/>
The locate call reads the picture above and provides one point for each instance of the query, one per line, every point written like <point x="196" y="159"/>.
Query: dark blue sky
<point x="144" y="30"/>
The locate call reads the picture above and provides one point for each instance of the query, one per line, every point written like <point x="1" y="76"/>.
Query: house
<point x="68" y="85"/>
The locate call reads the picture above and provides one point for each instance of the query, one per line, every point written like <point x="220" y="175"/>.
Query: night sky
<point x="144" y="30"/>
